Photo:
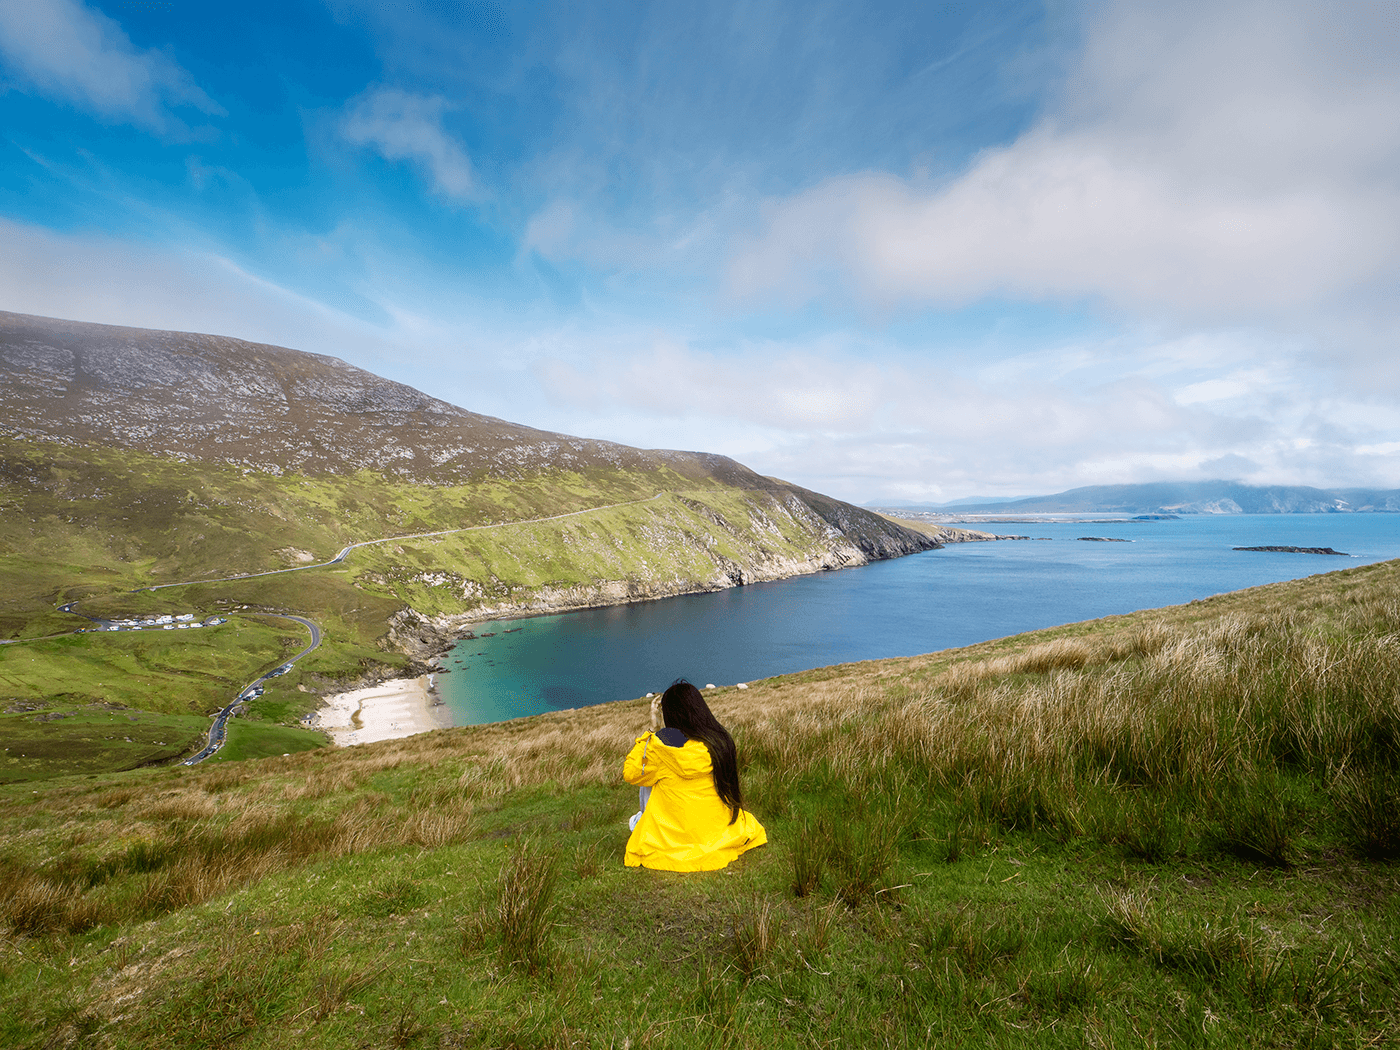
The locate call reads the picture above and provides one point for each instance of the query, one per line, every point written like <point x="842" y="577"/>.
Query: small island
<point x="1298" y="550"/>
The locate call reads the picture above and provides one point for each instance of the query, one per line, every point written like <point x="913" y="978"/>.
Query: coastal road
<point x="345" y="551"/>
<point x="218" y="732"/>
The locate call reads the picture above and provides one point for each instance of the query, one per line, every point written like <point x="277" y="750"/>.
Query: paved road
<point x="344" y="551"/>
<point x="218" y="732"/>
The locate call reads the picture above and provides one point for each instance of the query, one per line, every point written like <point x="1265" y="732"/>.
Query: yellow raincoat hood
<point x="685" y="826"/>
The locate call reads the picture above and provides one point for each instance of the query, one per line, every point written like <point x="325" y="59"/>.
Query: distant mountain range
<point x="1183" y="497"/>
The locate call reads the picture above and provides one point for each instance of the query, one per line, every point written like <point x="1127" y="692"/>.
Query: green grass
<point x="68" y="739"/>
<point x="1172" y="828"/>
<point x="170" y="672"/>
<point x="254" y="738"/>
<point x="103" y="526"/>
<point x="95" y="521"/>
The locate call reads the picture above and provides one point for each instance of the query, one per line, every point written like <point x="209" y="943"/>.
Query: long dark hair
<point x="685" y="709"/>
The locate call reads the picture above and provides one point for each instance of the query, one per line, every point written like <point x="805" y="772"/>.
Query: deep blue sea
<point x="964" y="593"/>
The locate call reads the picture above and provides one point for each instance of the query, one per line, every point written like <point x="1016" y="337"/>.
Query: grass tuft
<point x="1368" y="808"/>
<point x="1259" y="824"/>
<point x="525" y="909"/>
<point x="756" y="934"/>
<point x="811" y="846"/>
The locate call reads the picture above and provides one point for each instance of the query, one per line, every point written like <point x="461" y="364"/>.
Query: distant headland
<point x="1174" y="498"/>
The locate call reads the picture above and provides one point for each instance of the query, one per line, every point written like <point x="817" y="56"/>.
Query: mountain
<point x="132" y="459"/>
<point x="278" y="411"/>
<point x="224" y="400"/>
<point x="1196" y="497"/>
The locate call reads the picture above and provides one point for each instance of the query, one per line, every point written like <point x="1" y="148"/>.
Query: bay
<point x="964" y="593"/>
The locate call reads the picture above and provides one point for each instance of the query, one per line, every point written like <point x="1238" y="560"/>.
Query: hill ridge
<point x="222" y="399"/>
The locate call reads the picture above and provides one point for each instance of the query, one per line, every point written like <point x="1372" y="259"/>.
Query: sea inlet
<point x="959" y="595"/>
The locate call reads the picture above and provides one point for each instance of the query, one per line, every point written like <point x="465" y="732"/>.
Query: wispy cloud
<point x="66" y="50"/>
<point x="1239" y="167"/>
<point x="401" y="126"/>
<point x="858" y="417"/>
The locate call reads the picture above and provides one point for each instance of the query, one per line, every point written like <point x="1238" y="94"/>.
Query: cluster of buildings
<point x="181" y="622"/>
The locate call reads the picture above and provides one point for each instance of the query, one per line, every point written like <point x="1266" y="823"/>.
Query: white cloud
<point x="1210" y="161"/>
<point x="69" y="51"/>
<point x="550" y="230"/>
<point x="861" y="420"/>
<point x="403" y="127"/>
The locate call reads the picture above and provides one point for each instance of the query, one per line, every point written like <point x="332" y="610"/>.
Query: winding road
<point x="396" y="539"/>
<point x="218" y="732"/>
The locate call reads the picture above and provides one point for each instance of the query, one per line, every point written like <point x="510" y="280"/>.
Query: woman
<point x="693" y="816"/>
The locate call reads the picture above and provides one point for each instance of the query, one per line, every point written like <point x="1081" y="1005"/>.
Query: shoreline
<point x="390" y="710"/>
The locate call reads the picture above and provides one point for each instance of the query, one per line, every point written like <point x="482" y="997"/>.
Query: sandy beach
<point x="396" y="708"/>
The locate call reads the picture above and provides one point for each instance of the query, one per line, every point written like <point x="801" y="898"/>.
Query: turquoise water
<point x="961" y="594"/>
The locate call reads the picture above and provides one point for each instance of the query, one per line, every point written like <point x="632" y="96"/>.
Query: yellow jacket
<point x="685" y="826"/>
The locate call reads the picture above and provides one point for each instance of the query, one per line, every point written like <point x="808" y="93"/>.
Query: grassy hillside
<point x="1177" y="827"/>
<point x="105" y="525"/>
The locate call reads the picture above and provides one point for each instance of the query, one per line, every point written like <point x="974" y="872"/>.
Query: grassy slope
<point x="96" y="523"/>
<point x="93" y="521"/>
<point x="1172" y="828"/>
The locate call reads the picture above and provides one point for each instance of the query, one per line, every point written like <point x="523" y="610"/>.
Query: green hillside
<point x="148" y="473"/>
<point x="1178" y="827"/>
<point x="104" y="526"/>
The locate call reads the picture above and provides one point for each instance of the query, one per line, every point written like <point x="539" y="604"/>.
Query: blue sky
<point x="904" y="251"/>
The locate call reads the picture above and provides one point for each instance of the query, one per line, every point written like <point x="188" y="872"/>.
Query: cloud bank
<point x="1219" y="163"/>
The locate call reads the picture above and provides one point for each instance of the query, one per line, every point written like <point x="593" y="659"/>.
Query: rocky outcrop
<point x="1296" y="550"/>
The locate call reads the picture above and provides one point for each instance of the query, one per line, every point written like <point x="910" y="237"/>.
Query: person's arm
<point x="637" y="769"/>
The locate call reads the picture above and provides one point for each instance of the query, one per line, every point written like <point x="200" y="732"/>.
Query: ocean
<point x="959" y="595"/>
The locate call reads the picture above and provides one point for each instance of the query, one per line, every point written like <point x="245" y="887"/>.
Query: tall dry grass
<point x="187" y="861"/>
<point x="1190" y="724"/>
<point x="1219" y="719"/>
